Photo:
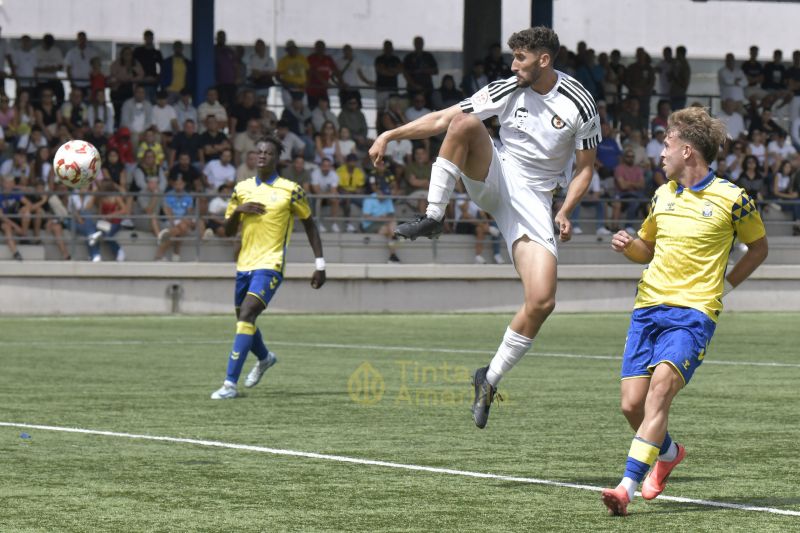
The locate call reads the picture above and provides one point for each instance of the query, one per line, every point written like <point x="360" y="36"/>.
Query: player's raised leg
<point x="536" y="267"/>
<point x="467" y="148"/>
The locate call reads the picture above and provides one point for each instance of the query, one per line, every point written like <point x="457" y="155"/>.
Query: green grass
<point x="153" y="375"/>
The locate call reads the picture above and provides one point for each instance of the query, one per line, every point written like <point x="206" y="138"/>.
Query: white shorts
<point x="518" y="209"/>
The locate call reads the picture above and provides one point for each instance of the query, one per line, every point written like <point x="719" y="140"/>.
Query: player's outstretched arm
<point x="318" y="278"/>
<point x="422" y="128"/>
<point x="756" y="254"/>
<point x="634" y="248"/>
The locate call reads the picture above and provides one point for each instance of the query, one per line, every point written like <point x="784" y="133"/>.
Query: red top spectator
<point x="322" y="68"/>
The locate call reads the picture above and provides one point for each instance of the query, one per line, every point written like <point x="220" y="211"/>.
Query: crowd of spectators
<point x="169" y="163"/>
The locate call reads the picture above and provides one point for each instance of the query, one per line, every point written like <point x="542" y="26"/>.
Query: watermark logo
<point x="366" y="385"/>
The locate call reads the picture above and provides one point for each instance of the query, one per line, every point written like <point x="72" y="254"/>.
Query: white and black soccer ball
<point x="76" y="164"/>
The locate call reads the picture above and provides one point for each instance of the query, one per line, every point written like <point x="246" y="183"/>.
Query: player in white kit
<point x="546" y="118"/>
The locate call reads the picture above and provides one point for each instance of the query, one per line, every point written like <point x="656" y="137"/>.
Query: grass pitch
<point x="382" y="387"/>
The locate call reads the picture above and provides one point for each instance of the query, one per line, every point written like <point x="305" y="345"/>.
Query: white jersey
<point x="540" y="132"/>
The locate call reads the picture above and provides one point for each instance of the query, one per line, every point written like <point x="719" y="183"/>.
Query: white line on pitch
<point x="387" y="464"/>
<point x="415" y="349"/>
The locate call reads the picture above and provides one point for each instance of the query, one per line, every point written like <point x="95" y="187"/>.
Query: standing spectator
<point x="137" y="113"/>
<point x="664" y="69"/>
<point x="324" y="181"/>
<point x="323" y="114"/>
<point x="213" y="141"/>
<point x="165" y="118"/>
<point x="495" y="65"/>
<point x="243" y="111"/>
<point x="474" y="81"/>
<point x="630" y="184"/>
<point x="292" y="74"/>
<point x="298" y="173"/>
<point x="589" y="76"/>
<point x="447" y="94"/>
<point x="245" y="142"/>
<point x="179" y="210"/>
<point x="615" y="78"/>
<point x="188" y="142"/>
<point x="775" y="81"/>
<point x="49" y="60"/>
<point x="732" y="81"/>
<point x="151" y="60"/>
<point x="352" y="182"/>
<point x="261" y="69"/>
<point x="125" y="71"/>
<point x="387" y="68"/>
<point x="249" y="167"/>
<point x="352" y="118"/>
<point x="78" y="63"/>
<point x="351" y="76"/>
<point x="680" y="76"/>
<point x="220" y="170"/>
<point x="225" y="69"/>
<point x="419" y="68"/>
<point x="187" y="172"/>
<point x="211" y="106"/>
<point x="754" y="72"/>
<point x="322" y="70"/>
<point x="177" y="73"/>
<point x="24" y="62"/>
<point x="184" y="108"/>
<point x="640" y="79"/>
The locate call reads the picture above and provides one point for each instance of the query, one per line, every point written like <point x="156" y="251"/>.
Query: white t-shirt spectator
<point x="217" y="173"/>
<point x="217" y="206"/>
<point x="413" y="113"/>
<point x="778" y="153"/>
<point x="325" y="182"/>
<point x="163" y="117"/>
<point x="399" y="151"/>
<point x="734" y="123"/>
<point x="731" y="84"/>
<point x="653" y="150"/>
<point x="80" y="63"/>
<point x="25" y="64"/>
<point x="292" y="145"/>
<point x="49" y="58"/>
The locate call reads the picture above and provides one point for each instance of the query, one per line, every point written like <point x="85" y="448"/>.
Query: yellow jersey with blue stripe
<point x="266" y="237"/>
<point x="693" y="229"/>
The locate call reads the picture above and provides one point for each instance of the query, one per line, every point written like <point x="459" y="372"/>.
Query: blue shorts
<point x="263" y="284"/>
<point x="678" y="336"/>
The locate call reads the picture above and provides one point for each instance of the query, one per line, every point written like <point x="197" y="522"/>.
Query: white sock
<point x="670" y="454"/>
<point x="630" y="485"/>
<point x="443" y="181"/>
<point x="510" y="351"/>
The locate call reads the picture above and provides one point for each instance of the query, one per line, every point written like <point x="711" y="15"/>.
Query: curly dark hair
<point x="274" y="141"/>
<point x="535" y="39"/>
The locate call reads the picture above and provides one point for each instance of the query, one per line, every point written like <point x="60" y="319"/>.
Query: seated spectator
<point x="219" y="171"/>
<point x="352" y="118"/>
<point x="751" y="178"/>
<point x="137" y="113"/>
<point x="328" y="145"/>
<point x="325" y="181"/>
<point x="187" y="172"/>
<point x="245" y="141"/>
<point x="149" y="141"/>
<point x="211" y="107"/>
<point x="378" y="217"/>
<point x="447" y="94"/>
<point x="393" y="116"/>
<point x="245" y="110"/>
<point x="662" y="114"/>
<point x="179" y="212"/>
<point x="187" y="142"/>
<point x="322" y="114"/>
<point x="594" y="197"/>
<point x="17" y="168"/>
<point x="98" y="137"/>
<point x="655" y="146"/>
<point x="352" y="182"/>
<point x="165" y="118"/>
<point x="417" y="109"/>
<point x="113" y="170"/>
<point x="418" y="177"/>
<point x="42" y="170"/>
<point x="48" y="116"/>
<point x="757" y="147"/>
<point x="630" y="185"/>
<point x="215" y="221"/>
<point x="778" y="150"/>
<point x="212" y="141"/>
<point x="80" y="207"/>
<point x="381" y="181"/>
<point x="765" y="122"/>
<point x="24" y="114"/>
<point x="184" y="108"/>
<point x="784" y="189"/>
<point x="346" y="143"/>
<point x="248" y="168"/>
<point x="121" y="142"/>
<point x="111" y="209"/>
<point x="398" y="155"/>
<point x="295" y="116"/>
<point x="733" y="120"/>
<point x="15" y="216"/>
<point x="470" y="220"/>
<point x="475" y="80"/>
<point x="149" y="202"/>
<point x="608" y="151"/>
<point x="145" y="170"/>
<point x="298" y="173"/>
<point x="734" y="160"/>
<point x="292" y="144"/>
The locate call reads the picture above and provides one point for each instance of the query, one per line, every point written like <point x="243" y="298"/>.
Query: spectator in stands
<point x="212" y="106"/>
<point x="734" y="160"/>
<point x="754" y="72"/>
<point x="188" y="172"/>
<point x="325" y="181"/>
<point x="470" y="220"/>
<point x="346" y="144"/>
<point x="655" y="146"/>
<point x="113" y="170"/>
<point x="31" y="142"/>
<point x="49" y="61"/>
<point x="165" y="118"/>
<point x="447" y="94"/>
<point x="419" y="68"/>
<point x="14" y="214"/>
<point x="733" y="120"/>
<point x="495" y="65"/>
<point x="475" y="80"/>
<point x="292" y="144"/>
<point x="177" y="73"/>
<point x="261" y="69"/>
<point x="6" y="116"/>
<point x="292" y="73"/>
<point x="245" y="109"/>
<point x="42" y="169"/>
<point x="387" y="69"/>
<point x="111" y="209"/>
<point x="137" y="113"/>
<point x="640" y="158"/>
<point x="225" y="69"/>
<point x="378" y="218"/>
<point x="764" y="122"/>
<point x="630" y="118"/>
<point x="732" y="81"/>
<point x="680" y="76"/>
<point x="751" y="178"/>
<point x="212" y="141"/>
<point x="352" y="118"/>
<point x="775" y="82"/>
<point x="179" y="211"/>
<point x="23" y="63"/>
<point x="784" y="188"/>
<point x="74" y="113"/>
<point x="98" y="137"/>
<point x="220" y="170"/>
<point x="327" y="145"/>
<point x="418" y="176"/>
<point x="188" y="142"/>
<point x="394" y="116"/>
<point x="248" y="168"/>
<point x="322" y="113"/>
<point x="147" y="169"/>
<point x="101" y="110"/>
<point x="608" y="151"/>
<point x="298" y="173"/>
<point x="322" y="71"/>
<point x="615" y="76"/>
<point x="757" y="147"/>
<point x="149" y="202"/>
<point x="149" y="141"/>
<point x="352" y="182"/>
<point x="17" y="168"/>
<point x="417" y="108"/>
<point x="398" y="154"/>
<point x="793" y="86"/>
<point x="151" y="60"/>
<point x="779" y="150"/>
<point x="245" y="141"/>
<point x="663" y="68"/>
<point x="595" y="197"/>
<point x="630" y="186"/>
<point x="47" y="114"/>
<point x="184" y="108"/>
<point x="296" y="115"/>
<point x="215" y="222"/>
<point x="351" y="76"/>
<point x="663" y="110"/>
<point x="121" y="142"/>
<point x="78" y="65"/>
<point x="24" y="114"/>
<point x="640" y="79"/>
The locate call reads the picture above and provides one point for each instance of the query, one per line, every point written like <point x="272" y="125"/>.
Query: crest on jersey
<point x="481" y="97"/>
<point x="557" y="122"/>
<point x="707" y="211"/>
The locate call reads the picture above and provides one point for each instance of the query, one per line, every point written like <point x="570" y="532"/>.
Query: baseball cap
<point x="658" y="129"/>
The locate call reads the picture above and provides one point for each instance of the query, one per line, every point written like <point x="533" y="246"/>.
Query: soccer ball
<point x="76" y="164"/>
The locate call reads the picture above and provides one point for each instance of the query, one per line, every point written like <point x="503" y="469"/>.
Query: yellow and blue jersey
<point x="266" y="237"/>
<point x="693" y="230"/>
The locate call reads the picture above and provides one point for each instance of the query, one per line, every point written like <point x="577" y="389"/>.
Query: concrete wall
<point x="56" y="288"/>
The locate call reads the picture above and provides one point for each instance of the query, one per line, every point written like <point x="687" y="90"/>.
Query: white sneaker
<point x="576" y="230"/>
<point x="208" y="233"/>
<point x="350" y="228"/>
<point x="322" y="228"/>
<point x="603" y="231"/>
<point x="97" y="258"/>
<point x="176" y="258"/>
<point x="335" y="228"/>
<point x="258" y="370"/>
<point x="94" y="237"/>
<point x="226" y="392"/>
<point x="120" y="255"/>
<point x="498" y="259"/>
<point x="493" y="231"/>
<point x="163" y="234"/>
<point x="479" y="260"/>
